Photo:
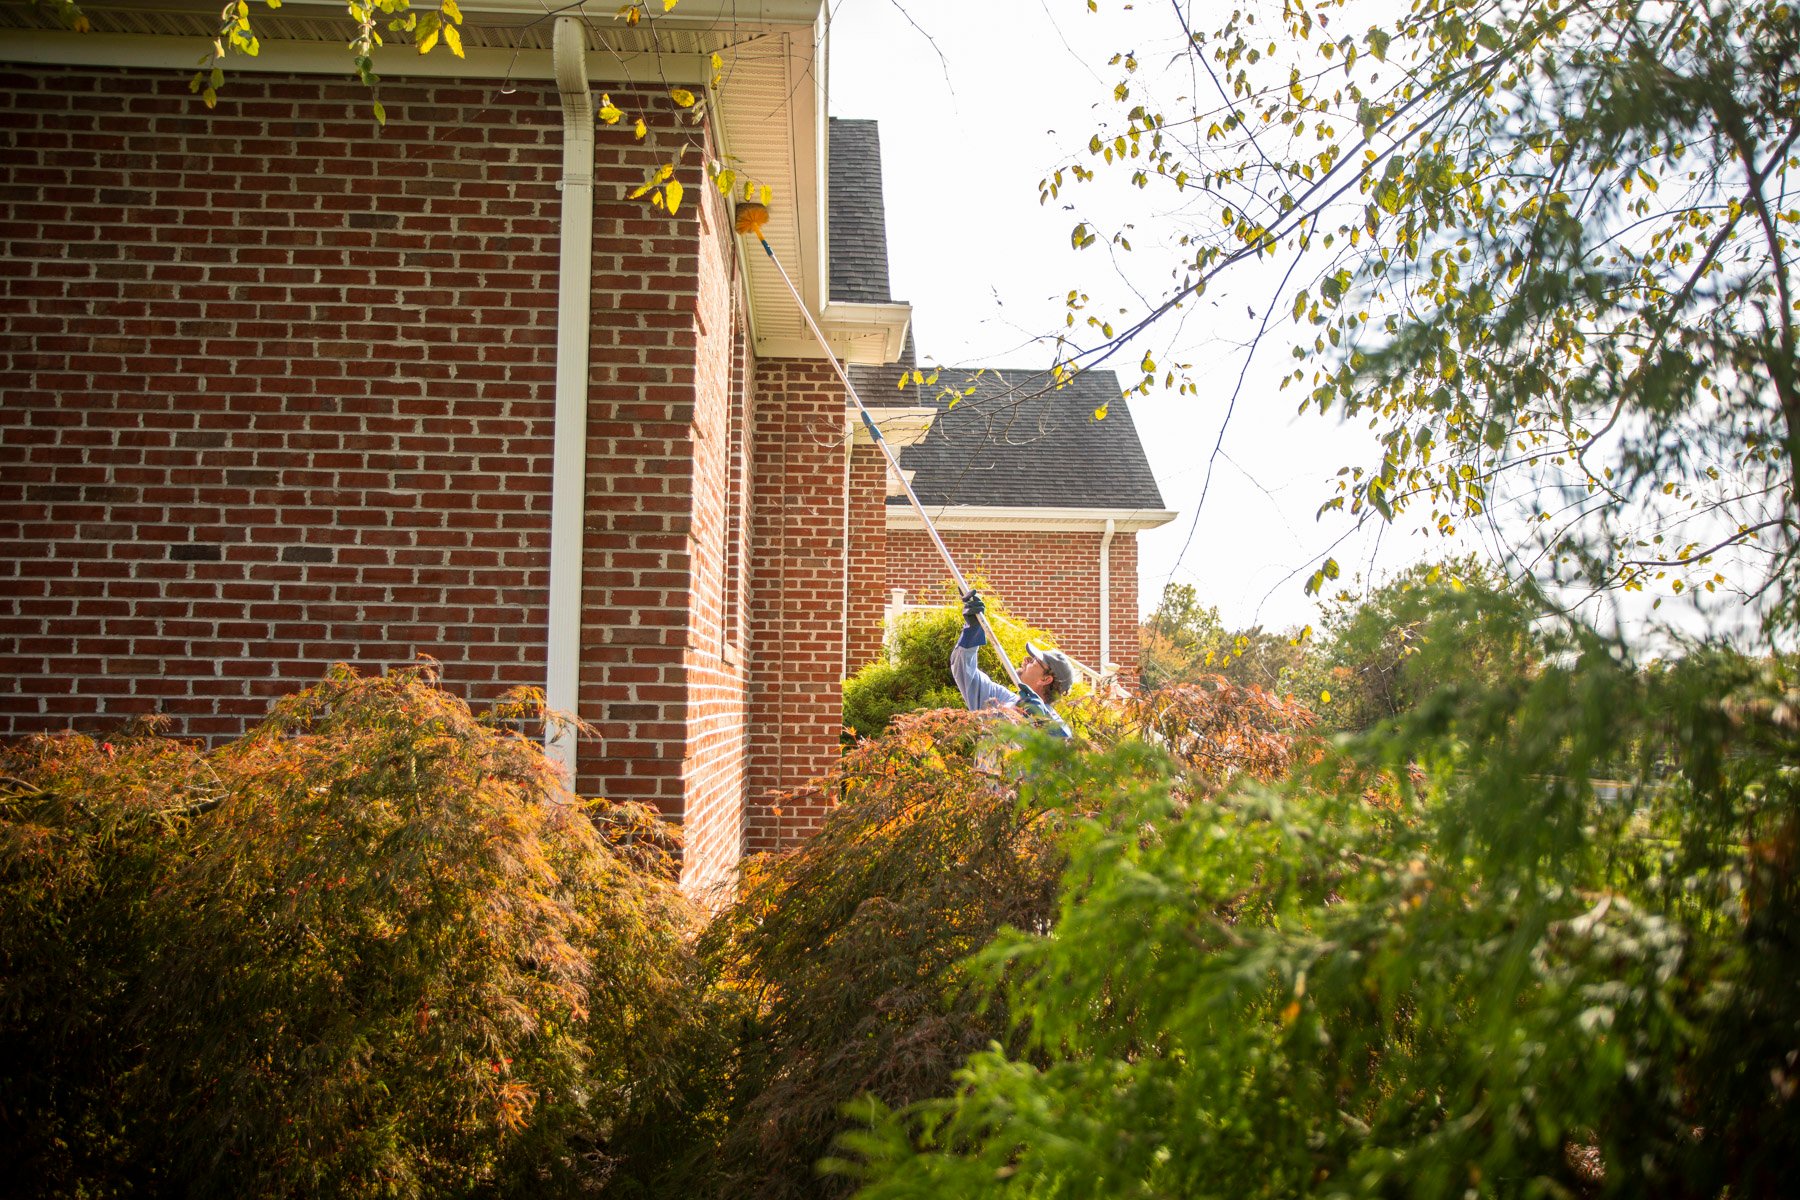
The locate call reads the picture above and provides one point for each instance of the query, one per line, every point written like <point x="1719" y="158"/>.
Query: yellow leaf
<point x="767" y="195"/>
<point x="453" y="39"/>
<point x="668" y="4"/>
<point x="380" y="113"/>
<point x="640" y="129"/>
<point x="632" y="14"/>
<point x="1100" y="413"/>
<point x="450" y="10"/>
<point x="211" y="97"/>
<point x="674" y="190"/>
<point x="1324" y="697"/>
<point x="609" y="112"/>
<point x="81" y="25"/>
<point x="665" y="171"/>
<point x="682" y="97"/>
<point x="274" y="3"/>
<point x="428" y="41"/>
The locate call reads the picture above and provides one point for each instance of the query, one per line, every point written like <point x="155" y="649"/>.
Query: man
<point x="1043" y="676"/>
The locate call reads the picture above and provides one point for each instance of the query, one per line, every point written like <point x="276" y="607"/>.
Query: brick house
<point x="1031" y="491"/>
<point x="276" y="392"/>
<point x="1040" y="498"/>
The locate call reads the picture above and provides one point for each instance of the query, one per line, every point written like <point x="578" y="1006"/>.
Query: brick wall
<point x="658" y="397"/>
<point x="867" y="588"/>
<point x="275" y="392"/>
<point x="799" y="471"/>
<point x="1048" y="578"/>
<point x="712" y="762"/>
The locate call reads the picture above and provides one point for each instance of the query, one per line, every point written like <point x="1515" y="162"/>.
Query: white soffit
<point x="900" y="427"/>
<point x="769" y="106"/>
<point x="1075" y="520"/>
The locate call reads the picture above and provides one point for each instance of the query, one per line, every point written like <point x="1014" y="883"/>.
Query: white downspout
<point x="1106" y="596"/>
<point x="568" y="479"/>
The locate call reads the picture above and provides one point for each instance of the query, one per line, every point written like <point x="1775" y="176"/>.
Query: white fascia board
<point x="706" y="13"/>
<point x="995" y="518"/>
<point x="900" y="427"/>
<point x="854" y="320"/>
<point x="56" y="47"/>
<point x="298" y="56"/>
<point x="866" y="334"/>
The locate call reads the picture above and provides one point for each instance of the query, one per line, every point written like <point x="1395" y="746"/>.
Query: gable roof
<point x="1019" y="442"/>
<point x="1016" y="442"/>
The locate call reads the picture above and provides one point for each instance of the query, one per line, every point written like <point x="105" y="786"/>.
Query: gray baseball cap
<point x="1061" y="668"/>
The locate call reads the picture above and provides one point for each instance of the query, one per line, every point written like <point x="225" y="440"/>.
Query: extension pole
<point x="893" y="462"/>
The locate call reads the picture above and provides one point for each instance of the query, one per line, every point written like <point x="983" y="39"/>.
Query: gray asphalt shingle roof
<point x="859" y="262"/>
<point x="1017" y="442"/>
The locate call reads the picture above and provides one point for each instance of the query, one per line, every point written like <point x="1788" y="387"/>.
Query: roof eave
<point x="865" y="334"/>
<point x="1027" y="519"/>
<point x="769" y="116"/>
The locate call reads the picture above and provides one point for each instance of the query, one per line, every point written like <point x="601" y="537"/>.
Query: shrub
<point x="917" y="674"/>
<point x="1439" y="964"/>
<point x="849" y="954"/>
<point x="844" y="954"/>
<point x="383" y="954"/>
<point x="87" y="831"/>
<point x="1456" y="624"/>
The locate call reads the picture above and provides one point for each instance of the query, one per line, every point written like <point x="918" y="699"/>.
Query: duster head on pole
<point x="751" y="218"/>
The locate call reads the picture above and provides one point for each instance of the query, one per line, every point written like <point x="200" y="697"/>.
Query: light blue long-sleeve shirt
<point x="979" y="691"/>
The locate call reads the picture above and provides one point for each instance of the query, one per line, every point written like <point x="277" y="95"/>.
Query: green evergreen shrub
<point x="1438" y="963"/>
<point x="916" y="675"/>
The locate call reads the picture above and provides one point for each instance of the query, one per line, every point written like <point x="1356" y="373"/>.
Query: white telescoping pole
<point x="962" y="585"/>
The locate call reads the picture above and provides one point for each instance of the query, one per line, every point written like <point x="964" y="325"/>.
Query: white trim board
<point x="996" y="518"/>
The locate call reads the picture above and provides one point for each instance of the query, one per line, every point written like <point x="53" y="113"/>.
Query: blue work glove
<point x="973" y="609"/>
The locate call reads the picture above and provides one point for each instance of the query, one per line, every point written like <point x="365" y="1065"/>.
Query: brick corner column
<point x="799" y="578"/>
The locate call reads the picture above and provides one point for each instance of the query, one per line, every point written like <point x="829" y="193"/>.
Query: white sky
<point x="980" y="99"/>
<point x="978" y="102"/>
